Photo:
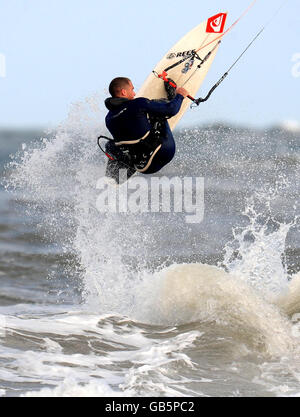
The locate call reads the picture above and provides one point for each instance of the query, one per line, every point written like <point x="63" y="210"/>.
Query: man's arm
<point x="166" y="108"/>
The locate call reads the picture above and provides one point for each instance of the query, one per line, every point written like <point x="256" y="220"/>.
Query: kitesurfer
<point x="142" y="139"/>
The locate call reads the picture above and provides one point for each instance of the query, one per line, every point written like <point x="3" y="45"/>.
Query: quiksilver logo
<point x="180" y="54"/>
<point x="215" y="24"/>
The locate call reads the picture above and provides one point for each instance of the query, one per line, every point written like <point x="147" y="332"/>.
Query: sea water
<point x="146" y="304"/>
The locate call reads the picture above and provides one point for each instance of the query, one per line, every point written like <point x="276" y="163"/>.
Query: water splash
<point x="257" y="251"/>
<point x="59" y="177"/>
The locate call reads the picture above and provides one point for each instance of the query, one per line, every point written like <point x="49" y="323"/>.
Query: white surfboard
<point x="204" y="38"/>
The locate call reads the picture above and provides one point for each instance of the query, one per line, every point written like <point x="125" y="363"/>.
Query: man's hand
<point x="182" y="91"/>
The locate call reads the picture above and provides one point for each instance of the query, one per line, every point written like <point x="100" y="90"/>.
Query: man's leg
<point x="119" y="162"/>
<point x="165" y="154"/>
<point x="113" y="168"/>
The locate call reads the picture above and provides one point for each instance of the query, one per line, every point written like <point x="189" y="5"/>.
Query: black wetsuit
<point x="131" y="123"/>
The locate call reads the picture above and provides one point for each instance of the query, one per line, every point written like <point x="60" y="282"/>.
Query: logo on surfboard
<point x="180" y="54"/>
<point x="215" y="24"/>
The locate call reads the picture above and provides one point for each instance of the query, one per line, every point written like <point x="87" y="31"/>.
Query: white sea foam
<point x="71" y="388"/>
<point x="289" y="302"/>
<point x="196" y="292"/>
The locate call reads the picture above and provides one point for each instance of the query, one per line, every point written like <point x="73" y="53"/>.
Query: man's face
<point x="128" y="91"/>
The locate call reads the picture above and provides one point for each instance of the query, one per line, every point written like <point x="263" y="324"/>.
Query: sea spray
<point x="55" y="179"/>
<point x="257" y="251"/>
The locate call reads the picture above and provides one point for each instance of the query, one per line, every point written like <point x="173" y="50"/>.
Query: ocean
<point x="147" y="303"/>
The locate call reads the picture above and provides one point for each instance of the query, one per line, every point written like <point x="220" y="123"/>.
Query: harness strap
<point x="106" y="153"/>
<point x="132" y="142"/>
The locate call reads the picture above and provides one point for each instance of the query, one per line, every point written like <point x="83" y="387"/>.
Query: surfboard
<point x="203" y="39"/>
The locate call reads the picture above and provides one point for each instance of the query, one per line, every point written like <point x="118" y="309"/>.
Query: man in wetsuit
<point x="143" y="140"/>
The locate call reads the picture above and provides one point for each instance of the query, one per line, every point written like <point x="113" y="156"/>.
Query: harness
<point x="136" y="153"/>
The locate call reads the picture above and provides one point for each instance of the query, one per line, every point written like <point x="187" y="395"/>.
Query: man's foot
<point x="118" y="171"/>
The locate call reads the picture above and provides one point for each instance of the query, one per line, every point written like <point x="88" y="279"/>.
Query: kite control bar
<point x="196" y="101"/>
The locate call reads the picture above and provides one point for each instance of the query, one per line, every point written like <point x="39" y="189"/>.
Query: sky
<point x="57" y="52"/>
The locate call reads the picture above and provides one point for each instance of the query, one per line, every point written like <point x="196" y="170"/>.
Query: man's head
<point x="121" y="87"/>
